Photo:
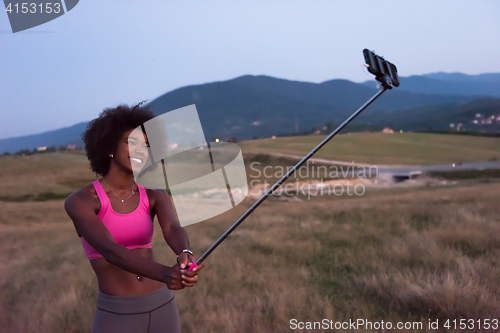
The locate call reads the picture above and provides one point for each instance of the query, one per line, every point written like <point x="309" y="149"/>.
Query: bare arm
<point x="79" y="208"/>
<point x="175" y="235"/>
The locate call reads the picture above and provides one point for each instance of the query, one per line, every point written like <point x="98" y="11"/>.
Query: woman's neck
<point x="119" y="180"/>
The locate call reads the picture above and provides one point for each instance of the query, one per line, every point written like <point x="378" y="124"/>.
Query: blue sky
<point x="104" y="53"/>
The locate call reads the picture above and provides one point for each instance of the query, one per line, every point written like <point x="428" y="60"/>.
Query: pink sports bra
<point x="132" y="230"/>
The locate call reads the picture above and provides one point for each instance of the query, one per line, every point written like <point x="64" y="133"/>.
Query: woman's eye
<point x="131" y="143"/>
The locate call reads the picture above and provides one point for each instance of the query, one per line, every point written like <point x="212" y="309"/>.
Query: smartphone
<point x="379" y="67"/>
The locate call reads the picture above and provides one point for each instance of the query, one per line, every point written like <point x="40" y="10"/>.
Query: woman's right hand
<point x="179" y="278"/>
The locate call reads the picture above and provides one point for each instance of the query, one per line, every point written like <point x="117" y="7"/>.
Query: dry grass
<point x="411" y="255"/>
<point x="393" y="255"/>
<point x="50" y="172"/>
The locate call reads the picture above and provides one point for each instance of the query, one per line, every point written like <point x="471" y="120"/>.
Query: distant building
<point x="387" y="130"/>
<point x="42" y="148"/>
<point x="71" y="147"/>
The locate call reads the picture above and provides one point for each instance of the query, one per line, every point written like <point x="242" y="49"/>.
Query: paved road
<point x="442" y="167"/>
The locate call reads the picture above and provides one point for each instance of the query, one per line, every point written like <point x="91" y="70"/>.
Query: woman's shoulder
<point x="154" y="193"/>
<point x="85" y="194"/>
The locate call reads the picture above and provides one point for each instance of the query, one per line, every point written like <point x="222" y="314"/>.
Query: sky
<point x="108" y="52"/>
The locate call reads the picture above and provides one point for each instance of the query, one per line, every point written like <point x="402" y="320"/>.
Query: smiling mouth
<point x="136" y="159"/>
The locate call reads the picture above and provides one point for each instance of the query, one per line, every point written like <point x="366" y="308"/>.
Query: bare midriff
<point x="116" y="281"/>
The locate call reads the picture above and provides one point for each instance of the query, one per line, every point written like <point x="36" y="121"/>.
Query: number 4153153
<point x="463" y="324"/>
<point x="33" y="8"/>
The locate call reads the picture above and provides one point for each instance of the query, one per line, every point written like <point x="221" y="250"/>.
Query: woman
<point x="114" y="218"/>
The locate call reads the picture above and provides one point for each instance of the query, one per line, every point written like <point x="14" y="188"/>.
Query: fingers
<point x="181" y="277"/>
<point x="187" y="284"/>
<point x="183" y="260"/>
<point x="196" y="269"/>
<point x="191" y="260"/>
<point x="175" y="284"/>
<point x="189" y="278"/>
<point x="192" y="273"/>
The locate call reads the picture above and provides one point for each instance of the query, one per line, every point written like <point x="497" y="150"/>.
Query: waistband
<point x="135" y="304"/>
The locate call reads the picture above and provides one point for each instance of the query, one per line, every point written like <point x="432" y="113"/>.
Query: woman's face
<point x="132" y="150"/>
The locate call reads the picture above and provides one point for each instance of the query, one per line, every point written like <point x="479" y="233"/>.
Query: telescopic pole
<point x="385" y="86"/>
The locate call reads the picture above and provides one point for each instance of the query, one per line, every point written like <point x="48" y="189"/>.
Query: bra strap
<point x="144" y="197"/>
<point x="102" y="196"/>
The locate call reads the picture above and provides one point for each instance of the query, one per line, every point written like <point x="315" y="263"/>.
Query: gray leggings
<point x="155" y="312"/>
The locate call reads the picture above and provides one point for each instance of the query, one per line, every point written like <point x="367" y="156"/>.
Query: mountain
<point x="450" y="84"/>
<point x="61" y="137"/>
<point x="262" y="106"/>
<point x="459" y="77"/>
<point x="275" y="106"/>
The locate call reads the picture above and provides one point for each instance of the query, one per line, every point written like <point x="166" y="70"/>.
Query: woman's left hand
<point x="189" y="278"/>
<point x="185" y="260"/>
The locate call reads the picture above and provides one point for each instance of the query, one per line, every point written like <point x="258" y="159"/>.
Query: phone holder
<point x="384" y="71"/>
<point x="385" y="80"/>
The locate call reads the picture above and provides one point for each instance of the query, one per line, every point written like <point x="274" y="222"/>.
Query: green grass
<point x="380" y="148"/>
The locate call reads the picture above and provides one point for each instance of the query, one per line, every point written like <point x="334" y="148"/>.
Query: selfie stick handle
<point x="385" y="85"/>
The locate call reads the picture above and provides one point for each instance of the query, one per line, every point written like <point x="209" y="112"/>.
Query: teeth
<point x="138" y="160"/>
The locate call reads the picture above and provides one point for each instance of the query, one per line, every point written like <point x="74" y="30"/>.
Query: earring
<point x="111" y="155"/>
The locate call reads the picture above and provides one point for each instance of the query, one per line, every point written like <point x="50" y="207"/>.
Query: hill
<point x="451" y="84"/>
<point x="481" y="115"/>
<point x="61" y="138"/>
<point x="263" y="106"/>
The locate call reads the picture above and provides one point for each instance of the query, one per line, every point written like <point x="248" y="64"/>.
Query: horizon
<point x="198" y="84"/>
<point x="278" y="78"/>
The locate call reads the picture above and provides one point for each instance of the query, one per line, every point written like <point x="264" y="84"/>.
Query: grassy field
<point x="59" y="173"/>
<point x="405" y="254"/>
<point x="409" y="256"/>
<point x="26" y="177"/>
<point x="380" y="148"/>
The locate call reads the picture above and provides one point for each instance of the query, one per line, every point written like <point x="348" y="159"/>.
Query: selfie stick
<point x="387" y="83"/>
